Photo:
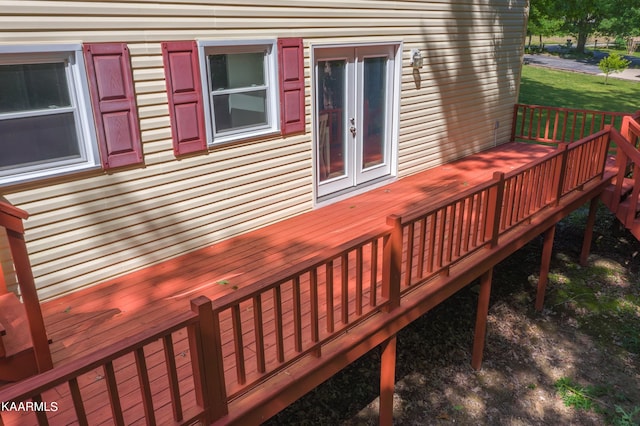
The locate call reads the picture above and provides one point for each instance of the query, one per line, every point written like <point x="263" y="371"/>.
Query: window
<point x="45" y="125"/>
<point x="241" y="89"/>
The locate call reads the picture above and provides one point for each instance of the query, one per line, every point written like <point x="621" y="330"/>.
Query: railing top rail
<point x="35" y="385"/>
<point x="260" y="286"/>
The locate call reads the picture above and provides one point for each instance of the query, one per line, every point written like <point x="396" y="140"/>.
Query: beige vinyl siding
<point x="88" y="227"/>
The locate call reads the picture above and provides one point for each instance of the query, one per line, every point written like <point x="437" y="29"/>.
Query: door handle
<point x="352" y="129"/>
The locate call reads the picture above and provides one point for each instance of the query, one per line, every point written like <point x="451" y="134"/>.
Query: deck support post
<point x="481" y="319"/>
<point x="387" y="380"/>
<point x="547" y="249"/>
<point x="588" y="232"/>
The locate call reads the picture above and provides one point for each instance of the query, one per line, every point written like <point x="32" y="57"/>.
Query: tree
<point x="582" y="17"/>
<point x="625" y="23"/>
<point x="612" y="63"/>
<point x="540" y="21"/>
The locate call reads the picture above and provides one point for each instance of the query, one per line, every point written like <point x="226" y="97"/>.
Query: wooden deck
<point x="100" y="317"/>
<point x="93" y="318"/>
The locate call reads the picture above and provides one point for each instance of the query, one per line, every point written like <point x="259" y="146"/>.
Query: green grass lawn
<point x="543" y="86"/>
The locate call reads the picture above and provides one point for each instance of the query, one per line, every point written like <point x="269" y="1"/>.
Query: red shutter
<point x="114" y="104"/>
<point x="184" y="89"/>
<point x="291" y="66"/>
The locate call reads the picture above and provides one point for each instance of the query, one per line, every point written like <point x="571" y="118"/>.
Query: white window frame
<point x="211" y="47"/>
<point x="72" y="56"/>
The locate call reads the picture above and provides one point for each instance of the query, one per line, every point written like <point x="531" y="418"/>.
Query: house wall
<point x="88" y="227"/>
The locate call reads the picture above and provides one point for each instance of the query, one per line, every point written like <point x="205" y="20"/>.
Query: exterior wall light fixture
<point x="416" y="59"/>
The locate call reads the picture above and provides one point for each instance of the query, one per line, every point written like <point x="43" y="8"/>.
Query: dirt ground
<point x="587" y="336"/>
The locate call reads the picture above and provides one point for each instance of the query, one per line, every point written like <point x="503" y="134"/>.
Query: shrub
<point x="612" y="63"/>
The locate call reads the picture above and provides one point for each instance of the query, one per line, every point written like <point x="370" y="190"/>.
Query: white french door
<point x="353" y="113"/>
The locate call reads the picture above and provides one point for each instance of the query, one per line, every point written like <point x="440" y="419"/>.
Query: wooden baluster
<point x="409" y="261"/>
<point x="421" y="247"/>
<point x="114" y="397"/>
<point x="468" y="223"/>
<point x="277" y="313"/>
<point x="531" y="115"/>
<point x="297" y="314"/>
<point x="547" y="123"/>
<point x="373" y="292"/>
<point x="440" y="241"/>
<point x="172" y="376"/>
<point x="258" y="329"/>
<point x="78" y="405"/>
<point x="329" y="283"/>
<point x="432" y="242"/>
<point x="145" y="386"/>
<point x="236" y="321"/>
<point x="344" y="281"/>
<point x="41" y="415"/>
<point x="452" y="214"/>
<point x="313" y="294"/>
<point x="358" y="289"/>
<point x="555" y="126"/>
<point x="459" y="224"/>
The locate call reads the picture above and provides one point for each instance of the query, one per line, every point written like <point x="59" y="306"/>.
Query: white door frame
<point x="345" y="186"/>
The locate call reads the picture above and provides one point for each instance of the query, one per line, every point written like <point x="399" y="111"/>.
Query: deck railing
<point x="177" y="396"/>
<point x="441" y="235"/>
<point x="545" y="124"/>
<point x="246" y="337"/>
<point x="628" y="164"/>
<point x="286" y="317"/>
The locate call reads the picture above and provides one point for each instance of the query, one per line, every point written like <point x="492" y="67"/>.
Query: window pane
<point x="240" y="110"/>
<point x="34" y="140"/>
<point x="233" y="71"/>
<point x="33" y="86"/>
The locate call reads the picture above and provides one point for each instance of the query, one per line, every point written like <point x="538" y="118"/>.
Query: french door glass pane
<point x="331" y="118"/>
<point x="375" y="101"/>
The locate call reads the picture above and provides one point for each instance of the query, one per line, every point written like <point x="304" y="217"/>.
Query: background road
<point x="588" y="66"/>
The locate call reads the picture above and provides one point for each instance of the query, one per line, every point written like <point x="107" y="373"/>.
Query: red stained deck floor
<point x="96" y="317"/>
